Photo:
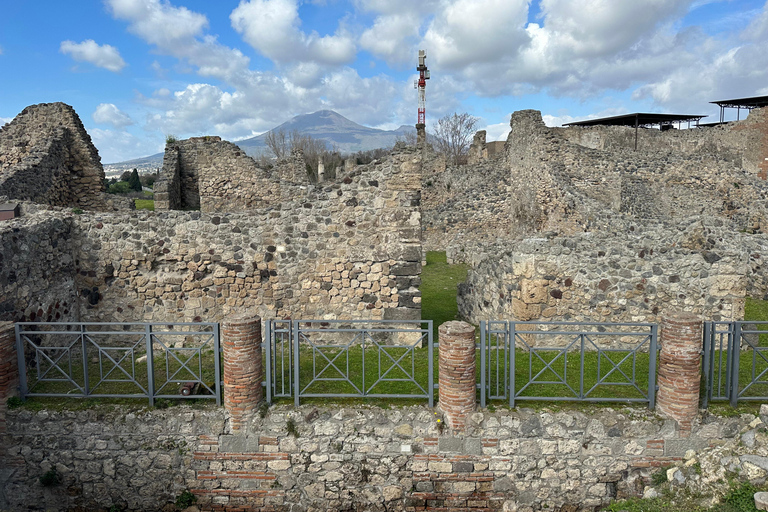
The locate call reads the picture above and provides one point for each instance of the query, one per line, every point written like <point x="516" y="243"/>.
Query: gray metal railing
<point x="126" y="360"/>
<point x="349" y="358"/>
<point x="735" y="365"/>
<point x="568" y="361"/>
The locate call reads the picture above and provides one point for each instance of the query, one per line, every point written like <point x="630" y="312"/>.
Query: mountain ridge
<point x="337" y="131"/>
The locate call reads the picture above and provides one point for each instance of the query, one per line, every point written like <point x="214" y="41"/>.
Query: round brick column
<point x="457" y="372"/>
<point x="680" y="368"/>
<point x="241" y="343"/>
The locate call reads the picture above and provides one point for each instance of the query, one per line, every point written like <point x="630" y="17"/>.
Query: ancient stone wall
<point x="214" y="175"/>
<point x="341" y="458"/>
<point x="351" y="249"/>
<point x="626" y="271"/>
<point x="46" y="156"/>
<point x="560" y="180"/>
<point x="37" y="267"/>
<point x="209" y="174"/>
<point x="743" y="142"/>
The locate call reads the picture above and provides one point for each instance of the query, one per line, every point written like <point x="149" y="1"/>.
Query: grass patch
<point x="145" y="204"/>
<point x="439" y="287"/>
<point x="756" y="310"/>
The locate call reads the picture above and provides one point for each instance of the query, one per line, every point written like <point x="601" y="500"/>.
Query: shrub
<point x="170" y="139"/>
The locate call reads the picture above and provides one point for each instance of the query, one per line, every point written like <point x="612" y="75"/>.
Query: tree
<point x="277" y="144"/>
<point x="452" y="135"/>
<point x="134" y="182"/>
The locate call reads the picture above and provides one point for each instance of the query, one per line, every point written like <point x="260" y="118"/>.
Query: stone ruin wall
<point x="350" y="249"/>
<point x="214" y="175"/>
<point x="366" y="458"/>
<point x="743" y="142"/>
<point x="630" y="273"/>
<point x="553" y="179"/>
<point x="46" y="156"/>
<point x="37" y="268"/>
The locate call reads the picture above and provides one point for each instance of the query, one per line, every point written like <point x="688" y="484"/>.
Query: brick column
<point x="680" y="368"/>
<point x="241" y="343"/>
<point x="9" y="372"/>
<point x="457" y="372"/>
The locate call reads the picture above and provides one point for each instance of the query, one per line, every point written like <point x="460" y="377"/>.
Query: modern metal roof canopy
<point x="638" y="119"/>
<point x="738" y="104"/>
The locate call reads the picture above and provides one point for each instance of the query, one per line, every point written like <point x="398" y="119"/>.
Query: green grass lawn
<point x="145" y="204"/>
<point x="439" y="282"/>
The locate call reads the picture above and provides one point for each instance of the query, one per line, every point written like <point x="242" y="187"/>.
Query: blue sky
<point x="138" y="70"/>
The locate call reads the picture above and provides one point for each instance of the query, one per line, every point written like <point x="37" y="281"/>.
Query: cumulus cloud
<point x="119" y="145"/>
<point x="271" y="27"/>
<point x="103" y="56"/>
<point x="108" y="113"/>
<point x="454" y="36"/>
<point x="179" y="32"/>
<point x="4" y="120"/>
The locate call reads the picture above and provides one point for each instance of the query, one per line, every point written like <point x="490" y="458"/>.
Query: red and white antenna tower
<point x="421" y="85"/>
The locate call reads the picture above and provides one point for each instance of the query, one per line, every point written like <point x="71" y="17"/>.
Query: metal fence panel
<point x="735" y="361"/>
<point x="349" y="358"/>
<point x="568" y="361"/>
<point x="100" y="359"/>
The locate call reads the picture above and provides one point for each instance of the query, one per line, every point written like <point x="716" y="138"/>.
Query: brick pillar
<point x="241" y="343"/>
<point x="9" y="372"/>
<point x="680" y="368"/>
<point x="457" y="372"/>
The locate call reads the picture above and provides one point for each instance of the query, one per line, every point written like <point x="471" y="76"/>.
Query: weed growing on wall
<point x="291" y="428"/>
<point x="185" y="499"/>
<point x="50" y="478"/>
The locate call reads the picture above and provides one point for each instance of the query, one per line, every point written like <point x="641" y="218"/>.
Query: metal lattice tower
<point x="421" y="85"/>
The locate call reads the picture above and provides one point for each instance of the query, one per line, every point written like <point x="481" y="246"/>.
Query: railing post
<point x="458" y="383"/>
<point x="653" y="353"/>
<point x="217" y="361"/>
<point x="483" y="327"/>
<point x="268" y="340"/>
<point x="150" y="364"/>
<point x="511" y="343"/>
<point x="705" y="366"/>
<point x="431" y="371"/>
<point x="296" y="362"/>
<point x="679" y="368"/>
<point x="12" y="365"/>
<point x="241" y="339"/>
<point x="735" y="350"/>
<point x="84" y="348"/>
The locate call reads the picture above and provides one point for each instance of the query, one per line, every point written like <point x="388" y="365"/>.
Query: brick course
<point x="679" y="368"/>
<point x="241" y="341"/>
<point x="457" y="372"/>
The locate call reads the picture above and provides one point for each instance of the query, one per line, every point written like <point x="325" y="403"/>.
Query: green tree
<point x="134" y="182"/>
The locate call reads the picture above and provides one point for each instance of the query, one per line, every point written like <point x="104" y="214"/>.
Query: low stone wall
<point x="622" y="272"/>
<point x="343" y="458"/>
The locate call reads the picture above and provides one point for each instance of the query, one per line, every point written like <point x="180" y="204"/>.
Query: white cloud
<point x="4" y="120"/>
<point x="498" y="131"/>
<point x="108" y="113"/>
<point x="271" y="27"/>
<point x="103" y="56"/>
<point x="178" y="32"/>
<point x="119" y="145"/>
<point x="466" y="32"/>
<point x="392" y="37"/>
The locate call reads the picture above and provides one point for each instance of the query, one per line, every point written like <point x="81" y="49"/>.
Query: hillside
<point x="336" y="130"/>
